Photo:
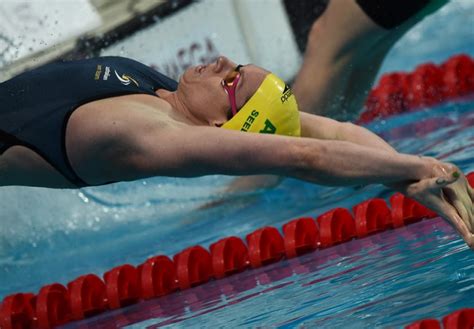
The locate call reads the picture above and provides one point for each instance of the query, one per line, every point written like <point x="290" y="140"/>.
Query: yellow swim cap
<point x="271" y="110"/>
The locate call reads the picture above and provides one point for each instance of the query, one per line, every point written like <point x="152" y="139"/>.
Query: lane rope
<point x="428" y="85"/>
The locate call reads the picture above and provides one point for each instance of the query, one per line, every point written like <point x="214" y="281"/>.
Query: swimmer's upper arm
<point x="197" y="151"/>
<point x="319" y="127"/>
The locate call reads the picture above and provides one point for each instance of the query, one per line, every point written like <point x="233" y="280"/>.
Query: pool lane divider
<point x="126" y="284"/>
<point x="461" y="319"/>
<point x="428" y="85"/>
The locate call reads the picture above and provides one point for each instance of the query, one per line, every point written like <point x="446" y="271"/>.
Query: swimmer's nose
<point x="199" y="68"/>
<point x="223" y="64"/>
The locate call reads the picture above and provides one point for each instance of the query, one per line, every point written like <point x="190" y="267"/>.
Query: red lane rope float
<point x="425" y="324"/>
<point x="52" y="306"/>
<point x="405" y="210"/>
<point x="265" y="246"/>
<point x="300" y="236"/>
<point x="336" y="226"/>
<point x="17" y="311"/>
<point x="159" y="275"/>
<point x="461" y="319"/>
<point x="86" y="296"/>
<point x="121" y="286"/>
<point x="371" y="216"/>
<point x="427" y="85"/>
<point x="470" y="178"/>
<point x="193" y="267"/>
<point x="229" y="256"/>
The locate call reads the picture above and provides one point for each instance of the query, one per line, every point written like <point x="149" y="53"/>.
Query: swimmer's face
<point x="200" y="88"/>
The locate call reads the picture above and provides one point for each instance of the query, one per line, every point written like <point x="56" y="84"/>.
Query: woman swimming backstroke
<point x="109" y="119"/>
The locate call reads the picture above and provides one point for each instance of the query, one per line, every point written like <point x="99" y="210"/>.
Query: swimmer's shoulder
<point x="120" y="134"/>
<point x="135" y="110"/>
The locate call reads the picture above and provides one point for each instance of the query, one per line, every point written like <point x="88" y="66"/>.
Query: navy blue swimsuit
<point x="36" y="105"/>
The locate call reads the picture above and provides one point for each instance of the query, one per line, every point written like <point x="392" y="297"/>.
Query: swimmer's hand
<point x="447" y="192"/>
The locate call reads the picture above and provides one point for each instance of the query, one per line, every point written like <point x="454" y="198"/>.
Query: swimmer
<point x="109" y="119"/>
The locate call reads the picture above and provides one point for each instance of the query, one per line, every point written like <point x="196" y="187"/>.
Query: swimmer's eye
<point x="229" y="80"/>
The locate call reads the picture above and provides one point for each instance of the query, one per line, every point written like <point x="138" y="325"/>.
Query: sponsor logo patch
<point x="106" y="73"/>
<point x="125" y="79"/>
<point x="287" y="93"/>
<point x="98" y="72"/>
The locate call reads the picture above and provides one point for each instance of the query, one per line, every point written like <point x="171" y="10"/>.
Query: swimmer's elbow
<point x="345" y="130"/>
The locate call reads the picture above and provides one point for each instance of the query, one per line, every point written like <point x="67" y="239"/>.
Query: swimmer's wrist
<point x="428" y="167"/>
<point x="417" y="167"/>
<point x="414" y="168"/>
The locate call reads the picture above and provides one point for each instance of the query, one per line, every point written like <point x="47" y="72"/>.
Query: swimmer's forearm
<point x="362" y="136"/>
<point x="318" y="127"/>
<point x="343" y="163"/>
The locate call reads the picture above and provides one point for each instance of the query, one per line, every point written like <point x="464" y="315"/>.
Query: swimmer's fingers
<point x="460" y="196"/>
<point x="430" y="193"/>
<point x="427" y="188"/>
<point x="436" y="184"/>
<point x="448" y="212"/>
<point x="463" y="208"/>
<point x="468" y="187"/>
<point x="452" y="190"/>
<point x="462" y="228"/>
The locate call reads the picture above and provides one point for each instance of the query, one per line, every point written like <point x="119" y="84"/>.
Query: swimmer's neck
<point x="183" y="113"/>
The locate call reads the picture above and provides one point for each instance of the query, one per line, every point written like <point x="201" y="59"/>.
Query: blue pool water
<point x="387" y="280"/>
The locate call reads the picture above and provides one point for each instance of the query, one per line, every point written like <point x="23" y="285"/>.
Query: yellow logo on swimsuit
<point x="98" y="72"/>
<point x="271" y="110"/>
<point x="125" y="79"/>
